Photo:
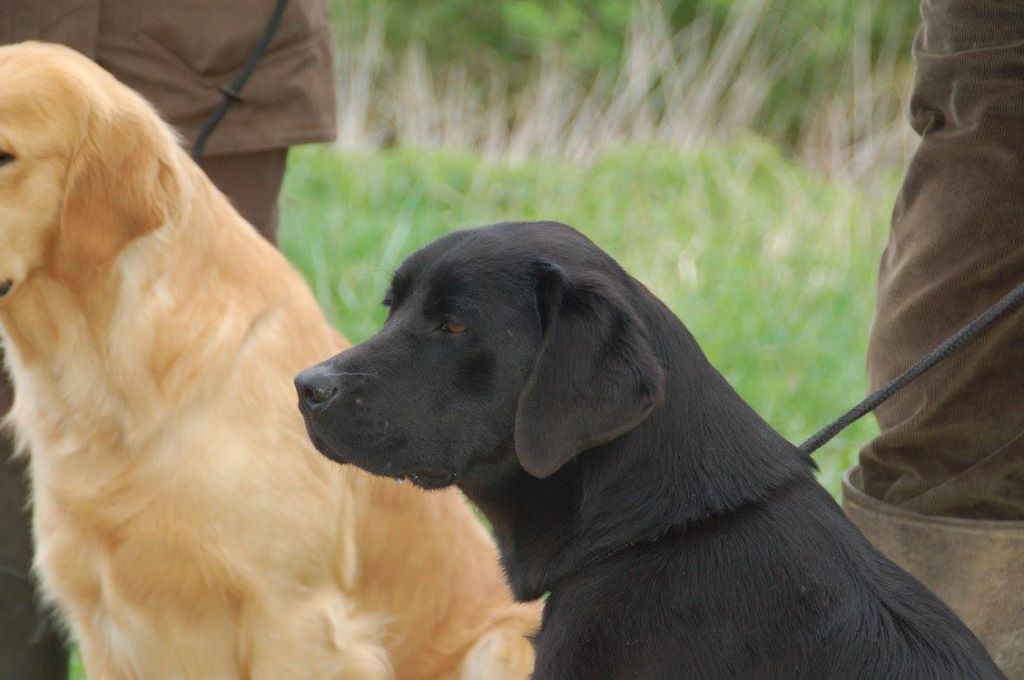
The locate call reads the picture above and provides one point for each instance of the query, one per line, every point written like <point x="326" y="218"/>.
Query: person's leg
<point x="952" y="443"/>
<point x="253" y="182"/>
<point x="29" y="647"/>
<point x="975" y="566"/>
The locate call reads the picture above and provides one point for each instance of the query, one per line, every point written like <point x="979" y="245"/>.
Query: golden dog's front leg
<point x="94" y="648"/>
<point x="452" y="616"/>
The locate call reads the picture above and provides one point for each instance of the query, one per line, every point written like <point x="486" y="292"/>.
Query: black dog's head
<point x="514" y="344"/>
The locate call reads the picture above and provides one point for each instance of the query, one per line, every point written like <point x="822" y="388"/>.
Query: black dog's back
<point x="786" y="589"/>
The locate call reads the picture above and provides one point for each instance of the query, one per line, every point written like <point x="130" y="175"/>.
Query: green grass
<point x="771" y="266"/>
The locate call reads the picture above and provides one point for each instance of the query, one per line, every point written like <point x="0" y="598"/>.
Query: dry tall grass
<point x="681" y="90"/>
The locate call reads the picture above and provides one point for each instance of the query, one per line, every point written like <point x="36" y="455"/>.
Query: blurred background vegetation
<point x="671" y="69"/>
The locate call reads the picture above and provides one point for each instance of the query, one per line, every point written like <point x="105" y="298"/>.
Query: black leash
<point x="232" y="92"/>
<point x="947" y="347"/>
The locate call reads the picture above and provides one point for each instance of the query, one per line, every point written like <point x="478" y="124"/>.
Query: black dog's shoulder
<point x="719" y="601"/>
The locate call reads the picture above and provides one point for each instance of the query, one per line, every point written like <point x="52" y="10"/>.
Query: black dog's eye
<point x="453" y="328"/>
<point x="5" y="158"/>
<point x="388" y="300"/>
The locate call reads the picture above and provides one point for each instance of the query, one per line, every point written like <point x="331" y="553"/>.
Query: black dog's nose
<point x="315" y="388"/>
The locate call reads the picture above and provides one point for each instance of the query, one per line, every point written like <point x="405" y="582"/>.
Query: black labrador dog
<point x="678" y="535"/>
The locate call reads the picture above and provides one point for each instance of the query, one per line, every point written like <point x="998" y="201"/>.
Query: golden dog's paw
<point x="321" y="637"/>
<point x="504" y="652"/>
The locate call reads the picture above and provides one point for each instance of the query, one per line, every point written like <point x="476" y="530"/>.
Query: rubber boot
<point x="975" y="566"/>
<point x="29" y="647"/>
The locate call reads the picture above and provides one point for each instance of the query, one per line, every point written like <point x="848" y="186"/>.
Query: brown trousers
<point x="952" y="443"/>
<point x="29" y="648"/>
<point x="252" y="181"/>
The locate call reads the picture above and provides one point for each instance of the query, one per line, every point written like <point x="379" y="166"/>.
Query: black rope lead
<point x="948" y="346"/>
<point x="232" y="92"/>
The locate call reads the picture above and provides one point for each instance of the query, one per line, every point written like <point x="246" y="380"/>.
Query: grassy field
<point x="770" y="265"/>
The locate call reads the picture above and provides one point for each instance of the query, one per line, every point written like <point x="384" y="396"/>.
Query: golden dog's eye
<point x="453" y="328"/>
<point x="5" y="158"/>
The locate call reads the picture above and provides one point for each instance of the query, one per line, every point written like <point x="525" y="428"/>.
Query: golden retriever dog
<point x="185" y="526"/>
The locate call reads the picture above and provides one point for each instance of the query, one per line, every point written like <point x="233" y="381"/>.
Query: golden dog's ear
<point x="120" y="185"/>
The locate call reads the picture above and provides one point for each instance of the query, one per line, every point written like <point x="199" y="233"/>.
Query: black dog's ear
<point x="595" y="376"/>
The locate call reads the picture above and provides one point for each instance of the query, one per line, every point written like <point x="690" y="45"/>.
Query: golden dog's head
<point x="86" y="165"/>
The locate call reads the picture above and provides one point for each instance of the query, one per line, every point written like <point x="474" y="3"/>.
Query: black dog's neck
<point x="703" y="453"/>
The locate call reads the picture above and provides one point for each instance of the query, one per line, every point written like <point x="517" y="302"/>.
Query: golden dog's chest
<point x="159" y="596"/>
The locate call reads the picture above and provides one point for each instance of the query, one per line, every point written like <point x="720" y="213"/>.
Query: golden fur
<point x="185" y="526"/>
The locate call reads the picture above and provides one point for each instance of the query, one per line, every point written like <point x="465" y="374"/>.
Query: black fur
<point x="678" y="534"/>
